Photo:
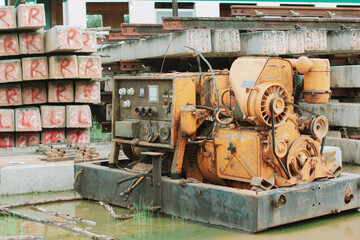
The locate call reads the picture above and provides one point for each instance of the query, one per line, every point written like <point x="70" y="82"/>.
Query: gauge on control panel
<point x="153" y="93"/>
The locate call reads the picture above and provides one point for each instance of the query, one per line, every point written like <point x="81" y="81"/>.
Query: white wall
<point x="74" y="13"/>
<point x="207" y="9"/>
<point x="142" y="11"/>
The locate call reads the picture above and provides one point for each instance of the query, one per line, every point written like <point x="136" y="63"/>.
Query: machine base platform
<point x="217" y="205"/>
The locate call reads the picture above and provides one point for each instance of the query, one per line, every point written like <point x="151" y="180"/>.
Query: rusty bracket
<point x="131" y="65"/>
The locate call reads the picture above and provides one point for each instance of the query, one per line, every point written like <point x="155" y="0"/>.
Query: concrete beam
<point x="172" y="44"/>
<point x="338" y="114"/>
<point x="336" y="40"/>
<point x="263" y="43"/>
<point x="350" y="149"/>
<point x="345" y="76"/>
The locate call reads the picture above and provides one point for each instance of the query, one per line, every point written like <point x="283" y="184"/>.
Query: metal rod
<point x="175" y="8"/>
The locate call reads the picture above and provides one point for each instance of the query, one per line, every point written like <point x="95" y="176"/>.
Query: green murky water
<point x="153" y="226"/>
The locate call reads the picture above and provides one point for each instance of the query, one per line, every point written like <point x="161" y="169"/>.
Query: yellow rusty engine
<point x="236" y="128"/>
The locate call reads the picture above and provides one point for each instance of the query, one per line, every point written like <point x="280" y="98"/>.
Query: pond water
<point x="154" y="226"/>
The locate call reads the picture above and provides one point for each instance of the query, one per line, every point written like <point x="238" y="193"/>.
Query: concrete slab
<point x="225" y="42"/>
<point x="336" y="40"/>
<point x="78" y="116"/>
<point x="108" y="111"/>
<point x="63" y="39"/>
<point x="7" y="123"/>
<point x="32" y="43"/>
<point x="8" y="18"/>
<point x="35" y="68"/>
<point x="315" y="39"/>
<point x="78" y="135"/>
<point x="87" y="92"/>
<point x="25" y="139"/>
<point x="338" y="114"/>
<point x="53" y="116"/>
<point x="89" y="67"/>
<point x="89" y="42"/>
<point x="345" y="76"/>
<point x="36" y="178"/>
<point x="34" y="92"/>
<point x="61" y="67"/>
<point x="30" y="16"/>
<point x="10" y="71"/>
<point x="295" y="41"/>
<point x="10" y="95"/>
<point x="157" y="46"/>
<point x="350" y="149"/>
<point x="27" y="119"/>
<point x="263" y="43"/>
<point x="60" y="92"/>
<point x="7" y="140"/>
<point x="52" y="136"/>
<point x="9" y="44"/>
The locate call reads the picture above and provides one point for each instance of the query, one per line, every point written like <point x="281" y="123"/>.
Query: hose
<point x="217" y="116"/>
<point x="212" y="73"/>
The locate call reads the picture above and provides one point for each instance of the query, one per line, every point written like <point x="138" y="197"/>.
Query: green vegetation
<point x="94" y="21"/>
<point x="96" y="135"/>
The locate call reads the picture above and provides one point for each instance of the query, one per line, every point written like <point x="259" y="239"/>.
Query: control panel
<point x="148" y="103"/>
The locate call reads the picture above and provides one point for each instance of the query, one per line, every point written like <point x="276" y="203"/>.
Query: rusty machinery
<point x="235" y="128"/>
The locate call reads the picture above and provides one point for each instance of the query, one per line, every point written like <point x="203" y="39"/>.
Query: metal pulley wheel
<point x="319" y="127"/>
<point x="301" y="150"/>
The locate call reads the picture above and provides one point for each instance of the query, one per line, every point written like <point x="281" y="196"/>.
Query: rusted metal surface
<point x="111" y="67"/>
<point x="293" y="11"/>
<point x="129" y="29"/>
<point x="254" y="23"/>
<point x="77" y="154"/>
<point x="130" y="65"/>
<point x="106" y="127"/>
<point x="223" y="206"/>
<point x="106" y="97"/>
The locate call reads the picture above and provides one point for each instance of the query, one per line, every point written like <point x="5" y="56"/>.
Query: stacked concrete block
<point x="9" y="44"/>
<point x="295" y="41"/>
<point x="108" y="109"/>
<point x="60" y="92"/>
<point x="344" y="41"/>
<point x="35" y="68"/>
<point x="25" y="139"/>
<point x="78" y="135"/>
<point x="53" y="116"/>
<point x="34" y="93"/>
<point x="89" y="42"/>
<point x="6" y="140"/>
<point x="10" y="95"/>
<point x="87" y="92"/>
<point x="263" y="43"/>
<point x="31" y="43"/>
<point x="62" y="67"/>
<point x="89" y="66"/>
<point x="7" y="18"/>
<point x="7" y="120"/>
<point x="225" y="41"/>
<point x="78" y="116"/>
<point x="10" y="71"/>
<point x="63" y="38"/>
<point x="27" y="119"/>
<point x="52" y="136"/>
<point x="30" y="16"/>
<point x="315" y="39"/>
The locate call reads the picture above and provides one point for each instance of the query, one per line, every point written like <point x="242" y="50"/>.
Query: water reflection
<point x="154" y="226"/>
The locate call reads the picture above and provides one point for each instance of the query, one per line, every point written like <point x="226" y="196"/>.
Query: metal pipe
<point x="175" y="8"/>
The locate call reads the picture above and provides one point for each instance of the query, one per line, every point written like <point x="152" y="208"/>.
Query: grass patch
<point x="96" y="134"/>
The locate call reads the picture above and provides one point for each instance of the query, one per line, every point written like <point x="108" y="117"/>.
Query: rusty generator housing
<point x="237" y="128"/>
